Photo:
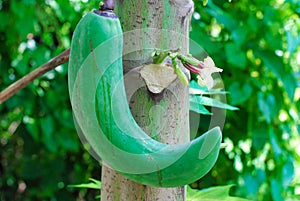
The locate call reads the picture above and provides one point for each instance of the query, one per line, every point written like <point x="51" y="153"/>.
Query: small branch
<point x="50" y="65"/>
<point x="27" y="79"/>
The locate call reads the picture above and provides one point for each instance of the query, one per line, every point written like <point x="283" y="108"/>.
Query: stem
<point x="158" y="59"/>
<point x="191" y="68"/>
<point x="108" y="5"/>
<point x="181" y="76"/>
<point x="161" y="55"/>
<point x="27" y="79"/>
<point x="189" y="59"/>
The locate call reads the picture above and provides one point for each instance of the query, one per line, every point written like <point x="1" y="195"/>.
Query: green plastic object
<point x="102" y="114"/>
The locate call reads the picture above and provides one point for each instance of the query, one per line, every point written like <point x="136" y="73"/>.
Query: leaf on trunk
<point x="158" y="77"/>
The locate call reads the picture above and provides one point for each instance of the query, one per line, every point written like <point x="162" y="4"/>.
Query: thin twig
<point x="27" y="79"/>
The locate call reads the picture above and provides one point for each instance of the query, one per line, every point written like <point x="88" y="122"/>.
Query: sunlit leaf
<point x="94" y="184"/>
<point x="222" y="17"/>
<point x="212" y="194"/>
<point x="276" y="190"/>
<point x="196" y="107"/>
<point x="195" y="89"/>
<point x="276" y="66"/>
<point x="267" y="105"/>
<point x="203" y="100"/>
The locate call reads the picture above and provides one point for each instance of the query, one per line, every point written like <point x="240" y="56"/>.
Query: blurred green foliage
<point x="258" y="45"/>
<point x="40" y="152"/>
<point x="256" y="42"/>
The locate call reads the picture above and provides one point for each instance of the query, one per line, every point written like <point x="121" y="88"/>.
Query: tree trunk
<point x="150" y="24"/>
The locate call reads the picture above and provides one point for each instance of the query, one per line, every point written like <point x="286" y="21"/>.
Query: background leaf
<point x="212" y="194"/>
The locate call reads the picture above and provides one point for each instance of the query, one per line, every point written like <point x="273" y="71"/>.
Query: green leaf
<point x="222" y="17"/>
<point x="254" y="180"/>
<point x="272" y="62"/>
<point x="239" y="35"/>
<point x="293" y="41"/>
<point x="287" y="173"/>
<point x="275" y="144"/>
<point x="267" y="105"/>
<point x="212" y="194"/>
<point x="200" y="37"/>
<point x="235" y="55"/>
<point x="47" y="126"/>
<point x="28" y="2"/>
<point x="203" y="100"/>
<point x="195" y="89"/>
<point x="276" y="66"/>
<point x="4" y="20"/>
<point x="259" y="137"/>
<point x="196" y="107"/>
<point x="94" y="184"/>
<point x="240" y="92"/>
<point x="296" y="196"/>
<point x="290" y="84"/>
<point x="276" y="190"/>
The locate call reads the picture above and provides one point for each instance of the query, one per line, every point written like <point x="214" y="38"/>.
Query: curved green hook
<point x="101" y="110"/>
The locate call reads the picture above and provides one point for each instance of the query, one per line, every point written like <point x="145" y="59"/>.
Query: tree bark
<point x="150" y="24"/>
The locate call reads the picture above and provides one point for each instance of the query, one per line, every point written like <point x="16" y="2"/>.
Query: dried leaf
<point x="158" y="77"/>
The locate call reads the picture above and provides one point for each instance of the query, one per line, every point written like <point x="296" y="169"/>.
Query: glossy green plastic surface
<point x="103" y="116"/>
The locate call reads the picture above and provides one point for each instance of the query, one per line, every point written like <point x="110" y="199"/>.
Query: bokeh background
<point x="256" y="42"/>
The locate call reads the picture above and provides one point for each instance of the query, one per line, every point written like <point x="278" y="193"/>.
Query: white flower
<point x="207" y="68"/>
